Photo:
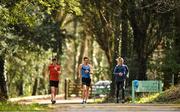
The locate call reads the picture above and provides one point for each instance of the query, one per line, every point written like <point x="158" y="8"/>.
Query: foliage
<point x="171" y="95"/>
<point x="10" y="106"/>
<point x="36" y="23"/>
<point x="32" y="31"/>
<point x="29" y="33"/>
<point x="23" y="67"/>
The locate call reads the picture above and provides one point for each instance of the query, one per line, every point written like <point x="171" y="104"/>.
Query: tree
<point x="99" y="21"/>
<point x="124" y="43"/>
<point x="177" y="41"/>
<point x="3" y="86"/>
<point x="3" y="23"/>
<point x="29" y="23"/>
<point x="171" y="64"/>
<point x="149" y="27"/>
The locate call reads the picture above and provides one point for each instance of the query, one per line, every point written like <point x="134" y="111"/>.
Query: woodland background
<point x="146" y="33"/>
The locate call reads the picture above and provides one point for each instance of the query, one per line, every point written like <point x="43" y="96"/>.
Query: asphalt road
<point x="112" y="107"/>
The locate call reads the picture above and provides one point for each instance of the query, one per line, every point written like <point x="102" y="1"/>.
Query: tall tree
<point x="103" y="22"/>
<point x="124" y="43"/>
<point x="177" y="42"/>
<point x="3" y="85"/>
<point x="4" y="21"/>
<point x="32" y="22"/>
<point x="171" y="63"/>
<point x="149" y="27"/>
<point x="82" y="50"/>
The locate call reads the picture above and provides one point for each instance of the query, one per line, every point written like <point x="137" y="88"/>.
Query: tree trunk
<point x="41" y="86"/>
<point x="91" y="48"/>
<point x="74" y="60"/>
<point x="177" y="41"/>
<point x="75" y="51"/>
<point x="142" y="58"/>
<point x="139" y="26"/>
<point x="142" y="68"/>
<point x="82" y="48"/>
<point x="116" y="54"/>
<point x="20" y="87"/>
<point x="3" y="86"/>
<point x="124" y="43"/>
<point x="35" y="86"/>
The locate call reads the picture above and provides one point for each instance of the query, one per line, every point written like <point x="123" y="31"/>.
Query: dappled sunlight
<point x="123" y="41"/>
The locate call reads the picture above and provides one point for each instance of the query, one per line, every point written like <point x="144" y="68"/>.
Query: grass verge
<point x="15" y="107"/>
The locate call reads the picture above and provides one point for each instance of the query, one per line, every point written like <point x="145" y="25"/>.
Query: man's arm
<point x="91" y="69"/>
<point x="59" y="71"/>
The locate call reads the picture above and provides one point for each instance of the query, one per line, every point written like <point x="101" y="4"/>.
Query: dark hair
<point x="86" y="58"/>
<point x="54" y="59"/>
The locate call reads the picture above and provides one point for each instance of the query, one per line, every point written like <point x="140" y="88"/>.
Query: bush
<point x="171" y="95"/>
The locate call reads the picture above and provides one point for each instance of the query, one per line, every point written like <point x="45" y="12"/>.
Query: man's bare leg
<point x="56" y="91"/>
<point x="84" y="93"/>
<point x="52" y="93"/>
<point x="87" y="93"/>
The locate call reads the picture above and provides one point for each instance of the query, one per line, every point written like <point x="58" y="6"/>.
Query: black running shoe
<point x="53" y="101"/>
<point x="83" y="102"/>
<point x="117" y="100"/>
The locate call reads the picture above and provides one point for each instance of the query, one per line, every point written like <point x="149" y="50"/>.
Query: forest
<point x="146" y="33"/>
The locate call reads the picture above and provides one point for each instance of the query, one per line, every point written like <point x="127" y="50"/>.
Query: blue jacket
<point x="119" y="69"/>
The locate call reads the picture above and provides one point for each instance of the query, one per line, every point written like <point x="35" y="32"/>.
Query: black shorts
<point x="86" y="81"/>
<point x="54" y="83"/>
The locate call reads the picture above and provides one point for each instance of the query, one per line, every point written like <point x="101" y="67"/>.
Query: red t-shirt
<point x="54" y="75"/>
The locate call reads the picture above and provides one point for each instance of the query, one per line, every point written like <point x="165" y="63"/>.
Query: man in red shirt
<point x="54" y="72"/>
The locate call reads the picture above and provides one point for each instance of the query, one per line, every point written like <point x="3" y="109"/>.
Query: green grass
<point x="15" y="107"/>
<point x="171" y="95"/>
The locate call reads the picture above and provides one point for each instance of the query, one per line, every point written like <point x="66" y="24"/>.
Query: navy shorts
<point x="86" y="81"/>
<point x="54" y="83"/>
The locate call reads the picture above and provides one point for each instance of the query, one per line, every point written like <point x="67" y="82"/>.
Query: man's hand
<point x="55" y="68"/>
<point x="86" y="71"/>
<point x="120" y="74"/>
